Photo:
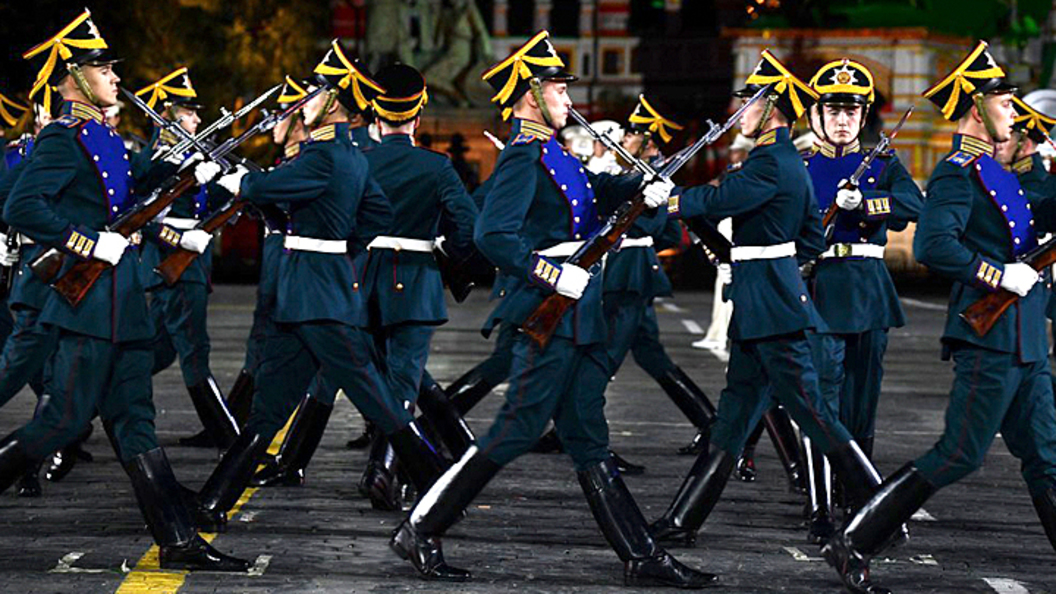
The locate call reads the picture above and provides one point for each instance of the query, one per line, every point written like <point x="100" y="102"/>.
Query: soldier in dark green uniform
<point x="976" y="221"/>
<point x="334" y="207"/>
<point x="287" y="134"/>
<point x="78" y="181"/>
<point x="851" y="286"/>
<point x="179" y="312"/>
<point x="772" y="204"/>
<point x="541" y="206"/>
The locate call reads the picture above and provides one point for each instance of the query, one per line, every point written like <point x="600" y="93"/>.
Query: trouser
<point x="7" y="323"/>
<point x="993" y="392"/>
<point x="646" y="349"/>
<point x="26" y="351"/>
<point x="563" y="382"/>
<point x="859" y="359"/>
<point x="179" y="314"/>
<point x="92" y="375"/>
<point x="404" y="350"/>
<point x="782" y="368"/>
<point x="343" y="355"/>
<point x="632" y="328"/>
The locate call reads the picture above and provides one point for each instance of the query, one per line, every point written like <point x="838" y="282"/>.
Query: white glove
<point x="110" y="247"/>
<point x="183" y="163"/>
<point x="725" y="273"/>
<point x="657" y="192"/>
<point x="572" y="281"/>
<point x="7" y="258"/>
<point x="848" y="198"/>
<point x="232" y="182"/>
<point x="1019" y="278"/>
<point x="206" y="172"/>
<point x="195" y="240"/>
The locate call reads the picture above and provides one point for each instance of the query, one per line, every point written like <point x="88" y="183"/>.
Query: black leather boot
<point x="445" y="419"/>
<point x="231" y="476"/>
<point x="29" y="484"/>
<point x="549" y="443"/>
<point x="300" y="444"/>
<point x="695" y="499"/>
<point x="240" y="398"/>
<point x="786" y="442"/>
<point x="62" y="462"/>
<point x="380" y="483"/>
<point x="418" y="457"/>
<point x="1045" y="505"/>
<point x="180" y="547"/>
<point x="693" y="403"/>
<point x="874" y="526"/>
<point x="13" y="461"/>
<point x="820" y="524"/>
<point x="417" y="539"/>
<point x="624" y="466"/>
<point x="746" y="461"/>
<point x="365" y="439"/>
<point x="645" y="563"/>
<point x="466" y="391"/>
<point x="219" y="425"/>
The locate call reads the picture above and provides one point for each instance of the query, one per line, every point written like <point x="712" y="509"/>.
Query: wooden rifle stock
<point x="80" y="278"/>
<point x="543" y="322"/>
<point x="176" y="263"/>
<point x="984" y="313"/>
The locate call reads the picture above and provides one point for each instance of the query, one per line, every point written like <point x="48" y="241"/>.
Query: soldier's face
<point x="188" y="118"/>
<point x="555" y="95"/>
<point x="314" y="106"/>
<point x="1002" y="114"/>
<point x="1006" y="150"/>
<point x="842" y="122"/>
<point x="103" y="82"/>
<point x="751" y="116"/>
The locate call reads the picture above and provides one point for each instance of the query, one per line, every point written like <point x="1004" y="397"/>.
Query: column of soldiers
<point x="358" y="221"/>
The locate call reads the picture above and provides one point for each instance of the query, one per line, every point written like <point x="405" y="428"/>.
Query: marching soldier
<point x="78" y="180"/>
<point x="772" y="202"/>
<point x="541" y="206"/>
<point x="976" y="221"/>
<point x="333" y="205"/>
<point x="851" y="287"/>
<point x="179" y="311"/>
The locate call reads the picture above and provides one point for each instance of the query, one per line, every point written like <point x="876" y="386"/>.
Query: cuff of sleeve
<point x="169" y="236"/>
<point x="80" y="242"/>
<point x="988" y="275"/>
<point x="545" y="272"/>
<point x="674" y="204"/>
<point x="876" y="206"/>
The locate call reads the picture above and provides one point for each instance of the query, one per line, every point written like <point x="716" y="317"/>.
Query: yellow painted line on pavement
<point x="147" y="577"/>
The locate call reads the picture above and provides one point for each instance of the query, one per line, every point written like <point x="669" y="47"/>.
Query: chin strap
<point x="768" y="110"/>
<point x="980" y="104"/>
<point x="331" y="96"/>
<point x="82" y="83"/>
<point x="537" y="92"/>
<point x="289" y="129"/>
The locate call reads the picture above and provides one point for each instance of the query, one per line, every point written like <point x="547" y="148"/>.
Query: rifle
<point x="542" y="323"/>
<point x="852" y="183"/>
<point x="74" y="285"/>
<point x="226" y="119"/>
<point x="985" y="312"/>
<point x="176" y="263"/>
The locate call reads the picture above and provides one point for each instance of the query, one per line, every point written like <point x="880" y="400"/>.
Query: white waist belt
<point x="636" y="242"/>
<point x="181" y="224"/>
<point x="853" y="250"/>
<point x="311" y="244"/>
<point x="561" y="250"/>
<point x="742" y="253"/>
<point x="385" y="242"/>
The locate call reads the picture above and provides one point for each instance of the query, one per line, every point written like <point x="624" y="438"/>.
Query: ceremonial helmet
<point x="11" y="111"/>
<point x="293" y="90"/>
<point x="787" y="93"/>
<point x="647" y="119"/>
<point x="844" y="82"/>
<point x="349" y="80"/>
<point x="536" y="60"/>
<point x="1031" y="118"/>
<point x="173" y="90"/>
<point x="977" y="75"/>
<point x="77" y="44"/>
<point x="405" y="94"/>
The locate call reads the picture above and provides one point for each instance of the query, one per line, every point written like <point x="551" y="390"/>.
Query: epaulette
<point x="69" y="121"/>
<point x="961" y="158"/>
<point x="523" y="138"/>
<point x="767" y="138"/>
<point x="1024" y="165"/>
<point x="808" y="152"/>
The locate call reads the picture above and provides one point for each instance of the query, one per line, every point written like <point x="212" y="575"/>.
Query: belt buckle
<point x="843" y="250"/>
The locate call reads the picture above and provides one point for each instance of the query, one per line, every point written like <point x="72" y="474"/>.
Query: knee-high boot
<point x="14" y="462"/>
<point x="379" y="482"/>
<point x="820" y="525"/>
<point x="445" y="419"/>
<point x="695" y="499"/>
<point x="231" y="476"/>
<point x="1045" y="505"/>
<point x="221" y="428"/>
<point x="466" y="391"/>
<point x="300" y="444"/>
<point x="746" y="461"/>
<point x="693" y="403"/>
<point x="779" y="425"/>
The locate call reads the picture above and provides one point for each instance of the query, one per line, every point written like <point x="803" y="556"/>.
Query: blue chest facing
<point x="827" y="172"/>
<point x="571" y="180"/>
<point x="1003" y="190"/>
<point x="18" y="153"/>
<point x="106" y="151"/>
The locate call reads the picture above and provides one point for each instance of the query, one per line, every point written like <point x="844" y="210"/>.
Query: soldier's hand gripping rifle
<point x="77" y="281"/>
<point x="542" y="323"/>
<point x="852" y="182"/>
<point x="984" y="313"/>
